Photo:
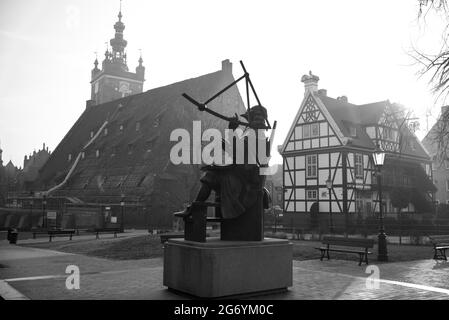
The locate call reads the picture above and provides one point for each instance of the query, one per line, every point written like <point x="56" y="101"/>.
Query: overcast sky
<point x="357" y="48"/>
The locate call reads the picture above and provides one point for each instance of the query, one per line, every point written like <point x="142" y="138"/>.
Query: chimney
<point x="322" y="92"/>
<point x="444" y="110"/>
<point x="89" y="103"/>
<point x="310" y="82"/>
<point x="226" y="66"/>
<point x="343" y="99"/>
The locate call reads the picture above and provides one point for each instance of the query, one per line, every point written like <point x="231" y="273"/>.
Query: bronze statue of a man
<point x="237" y="184"/>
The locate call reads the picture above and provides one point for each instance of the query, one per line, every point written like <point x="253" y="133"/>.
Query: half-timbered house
<point x="329" y="175"/>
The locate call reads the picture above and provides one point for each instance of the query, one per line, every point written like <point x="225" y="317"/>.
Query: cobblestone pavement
<point x="40" y="274"/>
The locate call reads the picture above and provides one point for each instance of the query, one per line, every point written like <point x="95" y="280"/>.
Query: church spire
<point x="114" y="80"/>
<point x="118" y="43"/>
<point x="140" y="69"/>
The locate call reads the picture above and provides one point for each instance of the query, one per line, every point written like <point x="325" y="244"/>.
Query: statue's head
<point x="257" y="117"/>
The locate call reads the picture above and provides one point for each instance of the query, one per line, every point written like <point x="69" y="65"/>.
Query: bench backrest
<point x="443" y="239"/>
<point x="106" y="229"/>
<point x="61" y="231"/>
<point x="349" y="242"/>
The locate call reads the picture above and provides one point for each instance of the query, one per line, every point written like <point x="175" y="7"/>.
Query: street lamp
<point x="273" y="213"/>
<point x="329" y="188"/>
<point x="382" y="255"/>
<point x="122" y="204"/>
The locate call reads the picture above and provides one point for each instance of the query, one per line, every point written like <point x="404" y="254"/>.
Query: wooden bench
<point x="440" y="245"/>
<point x="347" y="245"/>
<point x="38" y="231"/>
<point x="97" y="231"/>
<point x="60" y="232"/>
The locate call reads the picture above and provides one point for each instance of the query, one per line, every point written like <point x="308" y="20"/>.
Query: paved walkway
<point x="40" y="274"/>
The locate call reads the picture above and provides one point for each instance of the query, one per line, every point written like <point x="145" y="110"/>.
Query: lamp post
<point x="44" y="204"/>
<point x="273" y="213"/>
<point x="382" y="254"/>
<point x="329" y="188"/>
<point x="122" y="205"/>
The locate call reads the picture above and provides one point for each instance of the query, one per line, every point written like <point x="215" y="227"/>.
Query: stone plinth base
<point x="225" y="268"/>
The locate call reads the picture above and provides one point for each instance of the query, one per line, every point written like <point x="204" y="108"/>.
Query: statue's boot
<point x="185" y="213"/>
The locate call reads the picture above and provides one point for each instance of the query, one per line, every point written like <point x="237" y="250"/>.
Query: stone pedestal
<point x="219" y="268"/>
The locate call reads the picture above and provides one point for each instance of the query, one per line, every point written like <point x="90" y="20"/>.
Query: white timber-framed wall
<point x="316" y="149"/>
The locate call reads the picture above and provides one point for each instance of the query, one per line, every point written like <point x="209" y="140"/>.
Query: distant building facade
<point x="332" y="140"/>
<point x="31" y="166"/>
<point x="440" y="166"/>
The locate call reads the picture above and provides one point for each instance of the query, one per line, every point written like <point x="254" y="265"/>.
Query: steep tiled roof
<point x="141" y="151"/>
<point x="346" y="114"/>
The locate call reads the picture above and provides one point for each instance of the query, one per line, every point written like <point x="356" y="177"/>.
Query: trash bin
<point x="9" y="233"/>
<point x="12" y="236"/>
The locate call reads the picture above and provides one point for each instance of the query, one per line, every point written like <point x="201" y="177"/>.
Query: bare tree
<point x="435" y="64"/>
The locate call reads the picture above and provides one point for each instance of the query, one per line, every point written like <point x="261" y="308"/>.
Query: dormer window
<point x="412" y="145"/>
<point x="121" y="128"/>
<point x="353" y="131"/>
<point x="91" y="134"/>
<point x="388" y="133"/>
<point x="97" y="153"/>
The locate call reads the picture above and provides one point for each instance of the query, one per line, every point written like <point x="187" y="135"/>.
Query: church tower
<point x="114" y="80"/>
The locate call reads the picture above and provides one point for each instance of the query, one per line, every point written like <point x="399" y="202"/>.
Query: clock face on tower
<point x="124" y="88"/>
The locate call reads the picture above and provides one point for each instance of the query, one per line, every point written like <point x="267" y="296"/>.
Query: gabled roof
<point x="345" y="115"/>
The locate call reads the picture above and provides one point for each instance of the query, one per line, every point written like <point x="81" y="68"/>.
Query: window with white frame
<point x="358" y="165"/>
<point x="315" y="130"/>
<point x="312" y="194"/>
<point x="306" y="131"/>
<point x="311" y="166"/>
